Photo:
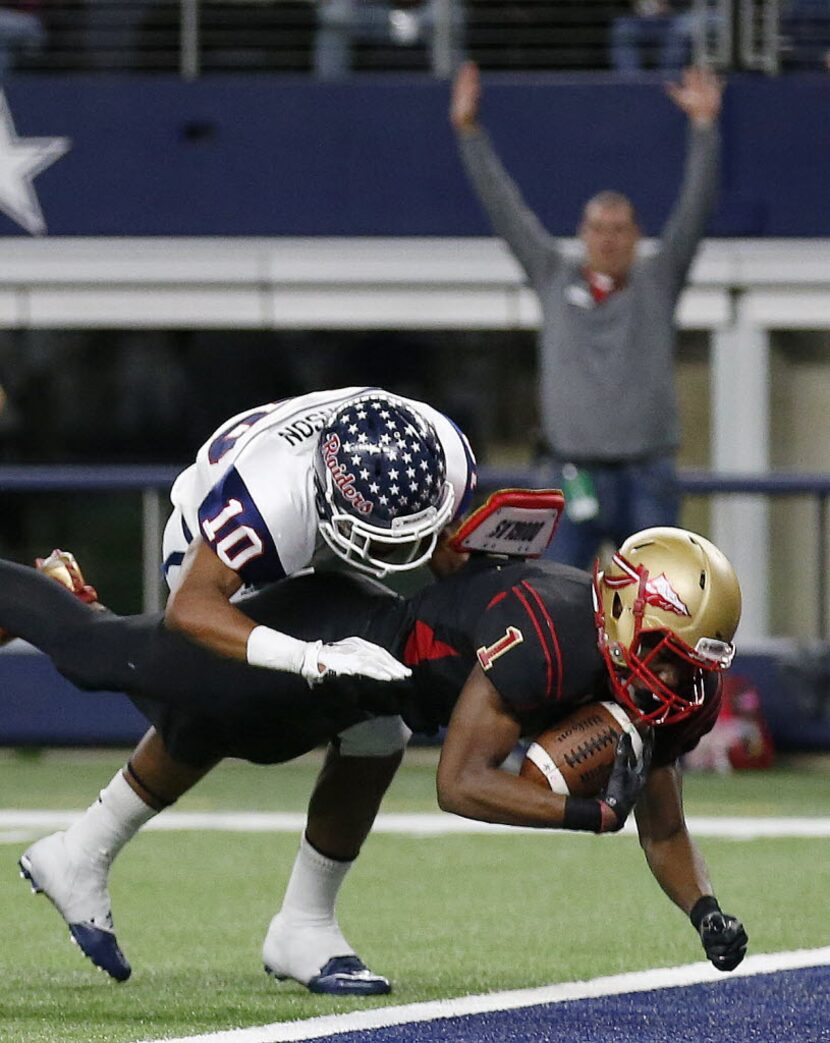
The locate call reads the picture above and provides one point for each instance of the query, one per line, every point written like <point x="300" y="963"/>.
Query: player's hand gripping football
<point x="628" y="776"/>
<point x="349" y="657"/>
<point x="723" y="936"/>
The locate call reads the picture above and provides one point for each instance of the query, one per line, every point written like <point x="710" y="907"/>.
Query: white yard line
<point x="408" y="824"/>
<point x="382" y="1017"/>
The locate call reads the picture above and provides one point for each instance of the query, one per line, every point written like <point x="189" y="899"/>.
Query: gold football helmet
<point x="668" y="596"/>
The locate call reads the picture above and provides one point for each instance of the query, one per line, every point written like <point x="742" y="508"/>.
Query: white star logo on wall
<point x="21" y="160"/>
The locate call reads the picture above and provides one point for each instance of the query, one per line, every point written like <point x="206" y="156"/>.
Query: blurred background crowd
<point x="332" y="38"/>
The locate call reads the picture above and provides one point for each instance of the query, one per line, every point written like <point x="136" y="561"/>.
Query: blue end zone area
<point x="784" y="1007"/>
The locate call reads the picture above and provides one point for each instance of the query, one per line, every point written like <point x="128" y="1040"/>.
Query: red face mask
<point x="657" y="677"/>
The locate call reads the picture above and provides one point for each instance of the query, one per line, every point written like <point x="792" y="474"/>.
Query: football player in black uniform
<point x="498" y="650"/>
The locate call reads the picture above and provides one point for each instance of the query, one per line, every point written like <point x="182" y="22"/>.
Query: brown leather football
<point x="575" y="756"/>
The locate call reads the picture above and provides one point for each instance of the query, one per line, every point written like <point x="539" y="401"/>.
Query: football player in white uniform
<point x="357" y="476"/>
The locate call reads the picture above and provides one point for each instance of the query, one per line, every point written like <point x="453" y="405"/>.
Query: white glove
<point x="351" y="656"/>
<point x="354" y="656"/>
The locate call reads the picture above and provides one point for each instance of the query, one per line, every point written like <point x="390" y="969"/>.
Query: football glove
<point x="314" y="661"/>
<point x="723" y="936"/>
<point x="628" y="776"/>
<point x="354" y="656"/>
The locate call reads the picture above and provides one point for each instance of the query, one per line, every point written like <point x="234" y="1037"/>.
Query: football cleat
<point x="348" y="976"/>
<point x="301" y="951"/>
<point x="78" y="890"/>
<point x="343" y="976"/>
<point x="62" y="567"/>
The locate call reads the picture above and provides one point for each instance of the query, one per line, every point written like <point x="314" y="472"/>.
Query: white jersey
<point x="250" y="494"/>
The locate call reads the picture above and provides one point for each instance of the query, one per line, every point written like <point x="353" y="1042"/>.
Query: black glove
<point x="723" y="936"/>
<point x="628" y="776"/>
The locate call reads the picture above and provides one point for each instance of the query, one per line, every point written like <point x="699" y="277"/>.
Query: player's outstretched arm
<point x="201" y="610"/>
<point x="681" y="871"/>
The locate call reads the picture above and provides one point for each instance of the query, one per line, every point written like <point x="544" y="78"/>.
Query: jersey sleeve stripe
<point x="540" y="635"/>
<point x="557" y="650"/>
<point x="172" y="560"/>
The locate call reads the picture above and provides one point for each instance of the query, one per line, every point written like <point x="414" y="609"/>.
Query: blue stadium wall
<point x="248" y="155"/>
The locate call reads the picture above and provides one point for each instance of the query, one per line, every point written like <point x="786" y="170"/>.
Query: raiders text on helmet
<point x="381" y="482"/>
<point x="666" y="592"/>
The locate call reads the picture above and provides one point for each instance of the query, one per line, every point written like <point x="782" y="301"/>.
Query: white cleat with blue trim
<point x="78" y="890"/>
<point x="304" y="952"/>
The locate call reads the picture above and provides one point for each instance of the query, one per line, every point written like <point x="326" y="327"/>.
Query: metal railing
<point x="153" y="483"/>
<point x="194" y="37"/>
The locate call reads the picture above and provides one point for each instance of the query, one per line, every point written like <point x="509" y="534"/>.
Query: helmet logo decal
<point x="343" y="479"/>
<point x="660" y="593"/>
<point x="487" y="654"/>
<point x="381" y="489"/>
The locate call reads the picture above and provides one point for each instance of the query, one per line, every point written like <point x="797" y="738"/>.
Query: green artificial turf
<point x="442" y="916"/>
<point x="62" y="779"/>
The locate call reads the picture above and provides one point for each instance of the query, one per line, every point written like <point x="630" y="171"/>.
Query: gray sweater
<point x="607" y="389"/>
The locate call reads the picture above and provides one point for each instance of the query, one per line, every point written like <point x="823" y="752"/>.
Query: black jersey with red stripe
<point x="530" y="626"/>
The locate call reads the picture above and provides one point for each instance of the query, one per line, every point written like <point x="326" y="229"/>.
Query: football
<point x="575" y="756"/>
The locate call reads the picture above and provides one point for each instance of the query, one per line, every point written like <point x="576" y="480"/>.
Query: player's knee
<point x="378" y="737"/>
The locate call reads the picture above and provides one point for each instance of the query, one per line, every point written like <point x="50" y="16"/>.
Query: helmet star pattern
<point x="395" y="464"/>
<point x="382" y="487"/>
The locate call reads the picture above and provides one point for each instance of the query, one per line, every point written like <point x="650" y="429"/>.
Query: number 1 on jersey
<point x="488" y="653"/>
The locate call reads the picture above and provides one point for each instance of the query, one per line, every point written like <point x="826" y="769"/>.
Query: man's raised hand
<point x="466" y="94"/>
<point x="698" y="94"/>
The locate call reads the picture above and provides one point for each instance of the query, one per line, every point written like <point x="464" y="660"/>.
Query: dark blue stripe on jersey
<point x="266" y="566"/>
<point x="176" y="558"/>
<point x="786" y="1007"/>
<point x="188" y="535"/>
<point x="233" y="431"/>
